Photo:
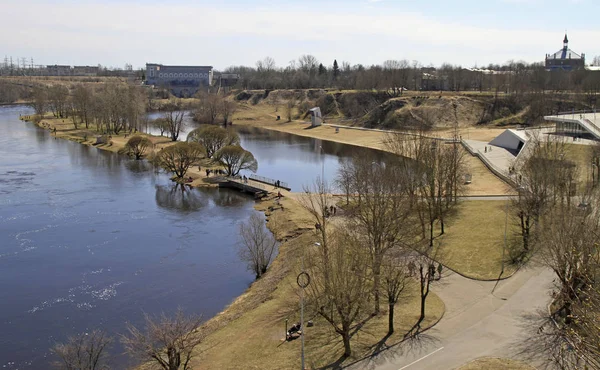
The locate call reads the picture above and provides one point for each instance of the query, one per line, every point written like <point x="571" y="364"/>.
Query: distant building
<point x="565" y="59"/>
<point x="183" y="81"/>
<point x="85" y="71"/>
<point x="433" y="81"/>
<point x="58" y="70"/>
<point x="227" y="79"/>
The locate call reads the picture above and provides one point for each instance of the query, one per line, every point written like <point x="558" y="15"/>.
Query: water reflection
<point x="227" y="199"/>
<point x="179" y="197"/>
<point x="84" y="245"/>
<point x="139" y="166"/>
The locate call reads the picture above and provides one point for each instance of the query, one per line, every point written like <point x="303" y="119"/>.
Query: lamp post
<point x="593" y="173"/>
<point x="303" y="280"/>
<point x="322" y="164"/>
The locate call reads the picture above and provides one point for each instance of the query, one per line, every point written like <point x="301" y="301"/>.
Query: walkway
<point x="477" y="322"/>
<point x="590" y="122"/>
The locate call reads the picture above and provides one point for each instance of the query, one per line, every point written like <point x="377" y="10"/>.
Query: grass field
<point x="474" y="237"/>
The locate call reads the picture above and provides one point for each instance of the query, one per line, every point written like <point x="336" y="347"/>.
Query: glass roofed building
<point x="565" y="59"/>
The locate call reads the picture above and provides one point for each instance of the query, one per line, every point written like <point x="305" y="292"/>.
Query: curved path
<point x="476" y="323"/>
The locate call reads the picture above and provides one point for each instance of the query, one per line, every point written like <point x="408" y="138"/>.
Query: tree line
<point x="397" y="75"/>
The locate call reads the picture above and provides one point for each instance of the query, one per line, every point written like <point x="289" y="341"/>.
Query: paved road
<point x="476" y="323"/>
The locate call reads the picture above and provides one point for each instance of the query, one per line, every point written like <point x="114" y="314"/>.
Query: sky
<point x="222" y="33"/>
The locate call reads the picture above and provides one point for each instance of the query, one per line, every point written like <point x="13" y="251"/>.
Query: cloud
<point x="186" y="32"/>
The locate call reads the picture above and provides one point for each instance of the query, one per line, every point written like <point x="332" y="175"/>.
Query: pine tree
<point x="322" y="69"/>
<point x="336" y="69"/>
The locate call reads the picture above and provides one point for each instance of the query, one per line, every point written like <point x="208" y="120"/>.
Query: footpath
<point x="479" y="321"/>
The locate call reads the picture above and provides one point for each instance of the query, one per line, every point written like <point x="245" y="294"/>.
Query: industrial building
<point x="182" y="81"/>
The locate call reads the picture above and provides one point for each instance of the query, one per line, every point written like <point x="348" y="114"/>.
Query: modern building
<point x="565" y="59"/>
<point x="182" y="81"/>
<point x="579" y="124"/>
<point x="58" y="70"/>
<point x="511" y="140"/>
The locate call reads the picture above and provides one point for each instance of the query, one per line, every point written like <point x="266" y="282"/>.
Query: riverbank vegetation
<point x="418" y="232"/>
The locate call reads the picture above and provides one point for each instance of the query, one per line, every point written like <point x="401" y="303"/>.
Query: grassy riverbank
<point x="87" y="136"/>
<point x="483" y="181"/>
<point x="249" y="332"/>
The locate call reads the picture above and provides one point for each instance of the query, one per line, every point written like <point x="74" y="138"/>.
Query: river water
<point x="92" y="239"/>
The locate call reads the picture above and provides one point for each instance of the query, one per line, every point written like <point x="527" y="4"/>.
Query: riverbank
<point x="253" y="323"/>
<point x="64" y="129"/>
<point x="250" y="332"/>
<point x="483" y="181"/>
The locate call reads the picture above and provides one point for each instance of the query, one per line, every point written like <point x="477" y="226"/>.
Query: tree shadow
<point x="382" y="352"/>
<point x="541" y="343"/>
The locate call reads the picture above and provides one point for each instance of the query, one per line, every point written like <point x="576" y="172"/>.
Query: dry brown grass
<point x="252" y="329"/>
<point x="496" y="364"/>
<point x="582" y="156"/>
<point x="474" y="238"/>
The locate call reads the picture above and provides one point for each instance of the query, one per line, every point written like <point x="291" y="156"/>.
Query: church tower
<point x="565" y="42"/>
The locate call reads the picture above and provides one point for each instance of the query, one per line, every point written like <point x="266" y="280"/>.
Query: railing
<point x="240" y="181"/>
<point x="592" y="124"/>
<point x="577" y="112"/>
<point x="267" y="180"/>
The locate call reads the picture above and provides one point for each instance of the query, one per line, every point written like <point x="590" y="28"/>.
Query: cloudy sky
<point x="238" y="32"/>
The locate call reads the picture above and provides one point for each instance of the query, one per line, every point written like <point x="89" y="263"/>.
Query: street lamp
<point x="322" y="164"/>
<point x="303" y="280"/>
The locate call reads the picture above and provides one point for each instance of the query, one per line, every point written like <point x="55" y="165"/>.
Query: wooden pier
<point x="250" y="187"/>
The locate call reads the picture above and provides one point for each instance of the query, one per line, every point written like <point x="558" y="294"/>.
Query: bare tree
<point x="213" y="138"/>
<point x="209" y="107"/>
<point x="85" y="351"/>
<point x="58" y="96"/>
<point x="257" y="246"/>
<point x="380" y="212"/>
<point x="545" y="179"/>
<point x="40" y="100"/>
<point x="168" y="342"/>
<point x="235" y="159"/>
<point x="316" y="200"/>
<point x="423" y="268"/>
<point x="179" y="157"/>
<point x="228" y="108"/>
<point x="137" y="145"/>
<point x="173" y="117"/>
<point x="82" y="101"/>
<point x="395" y="277"/>
<point x="340" y="287"/>
<point x="344" y="178"/>
<point x="432" y="176"/>
<point x="569" y="247"/>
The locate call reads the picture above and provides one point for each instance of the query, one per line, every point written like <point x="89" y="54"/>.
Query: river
<point x="91" y="239"/>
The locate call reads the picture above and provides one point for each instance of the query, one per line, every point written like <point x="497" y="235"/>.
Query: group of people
<point x="216" y="172"/>
<point x="327" y="212"/>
